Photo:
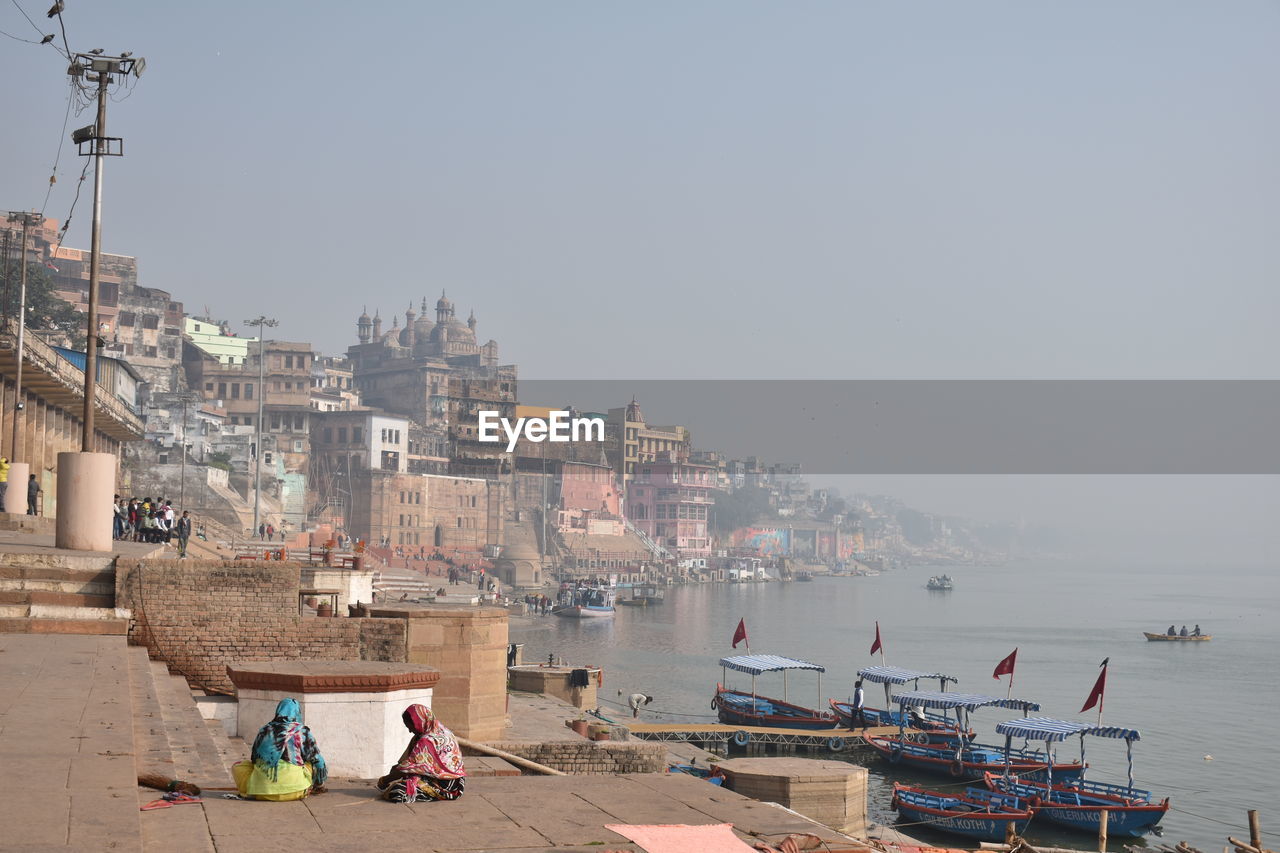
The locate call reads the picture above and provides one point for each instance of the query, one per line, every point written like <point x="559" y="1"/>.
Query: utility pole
<point x="96" y="68"/>
<point x="27" y="220"/>
<point x="182" y="488"/>
<point x="261" y="322"/>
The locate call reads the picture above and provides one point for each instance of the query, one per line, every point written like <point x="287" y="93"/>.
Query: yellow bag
<point x="292" y="782"/>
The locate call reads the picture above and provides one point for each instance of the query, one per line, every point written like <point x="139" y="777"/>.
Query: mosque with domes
<point x="435" y="372"/>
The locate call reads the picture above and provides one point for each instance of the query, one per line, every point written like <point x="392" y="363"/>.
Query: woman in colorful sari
<point x="286" y="763"/>
<point x="431" y="766"/>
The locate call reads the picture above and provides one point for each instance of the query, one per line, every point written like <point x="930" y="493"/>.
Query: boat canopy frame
<point x="890" y="675"/>
<point x="759" y="664"/>
<point x="1052" y="730"/>
<point x="963" y="704"/>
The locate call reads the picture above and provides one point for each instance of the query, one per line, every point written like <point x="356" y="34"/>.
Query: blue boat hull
<point x="1120" y="821"/>
<point x="1130" y="812"/>
<point x="976" y="761"/>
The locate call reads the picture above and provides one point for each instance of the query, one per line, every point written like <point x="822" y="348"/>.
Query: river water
<point x="1190" y="701"/>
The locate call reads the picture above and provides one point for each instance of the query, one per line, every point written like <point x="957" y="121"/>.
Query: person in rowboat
<point x="1172" y="632"/>
<point x="1196" y="632"/>
<point x="1183" y="633"/>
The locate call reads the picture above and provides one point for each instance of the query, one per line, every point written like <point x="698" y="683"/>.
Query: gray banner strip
<point x="959" y="427"/>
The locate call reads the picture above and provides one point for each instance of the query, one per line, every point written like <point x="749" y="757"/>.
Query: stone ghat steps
<point x="196" y="756"/>
<point x="59" y="593"/>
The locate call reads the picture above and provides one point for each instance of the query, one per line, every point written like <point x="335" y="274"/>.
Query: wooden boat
<point x="1177" y="638"/>
<point x="973" y="761"/>
<point x="586" y="603"/>
<point x="643" y="595"/>
<point x="977" y="813"/>
<point x="940" y="582"/>
<point x="742" y="708"/>
<point x="966" y="760"/>
<point x="1078" y="803"/>
<point x="804" y="576"/>
<point x="937" y="726"/>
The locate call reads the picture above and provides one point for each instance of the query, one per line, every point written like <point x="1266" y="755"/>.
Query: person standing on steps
<point x="33" y="492"/>
<point x="4" y="479"/>
<point x="183" y="531"/>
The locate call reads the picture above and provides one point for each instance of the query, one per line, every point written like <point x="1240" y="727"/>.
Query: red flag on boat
<point x="1099" y="686"/>
<point x="740" y="635"/>
<point x="1005" y="667"/>
<point x="877" y="646"/>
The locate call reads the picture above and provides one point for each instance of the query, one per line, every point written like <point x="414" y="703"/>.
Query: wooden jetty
<point x="746" y="737"/>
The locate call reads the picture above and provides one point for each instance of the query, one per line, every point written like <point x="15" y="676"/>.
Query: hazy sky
<point x="700" y="189"/>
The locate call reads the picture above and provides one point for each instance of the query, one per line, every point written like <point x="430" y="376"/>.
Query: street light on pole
<point x="103" y="70"/>
<point x="261" y="322"/>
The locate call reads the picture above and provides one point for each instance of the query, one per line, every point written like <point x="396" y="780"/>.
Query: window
<point x="235" y="390"/>
<point x="208" y="386"/>
<point x="125" y="318"/>
<point x="299" y="422"/>
<point x="342" y="435"/>
<point x="149" y="352"/>
<point x="234" y="420"/>
<point x="328" y="435"/>
<point x="357" y="434"/>
<point x="247" y="421"/>
<point x="275" y="423"/>
<point x="150" y="321"/>
<point x="248" y="390"/>
<point x="288" y="361"/>
<point x="222" y="390"/>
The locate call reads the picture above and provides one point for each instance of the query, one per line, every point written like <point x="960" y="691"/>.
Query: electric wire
<point x="28" y="17"/>
<point x="17" y="38"/>
<point x="57" y="159"/>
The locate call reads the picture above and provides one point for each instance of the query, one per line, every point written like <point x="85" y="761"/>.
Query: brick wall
<point x="591" y="757"/>
<point x="199" y="615"/>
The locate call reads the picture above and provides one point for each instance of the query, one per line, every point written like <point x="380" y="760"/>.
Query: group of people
<point x="33" y="488"/>
<point x="286" y="763"/>
<point x="538" y="604"/>
<point x="267" y="532"/>
<point x="1183" y="632"/>
<point x="154" y="521"/>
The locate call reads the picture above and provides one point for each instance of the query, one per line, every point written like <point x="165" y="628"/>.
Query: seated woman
<point x="286" y="763"/>
<point x="431" y="766"/>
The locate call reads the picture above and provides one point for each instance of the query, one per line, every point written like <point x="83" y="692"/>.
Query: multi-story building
<point x="425" y="510"/>
<point x="631" y="441"/>
<point x="332" y="385"/>
<point x="438" y="375"/>
<point x="669" y="501"/>
<point x="286" y="427"/>
<point x="217" y="339"/>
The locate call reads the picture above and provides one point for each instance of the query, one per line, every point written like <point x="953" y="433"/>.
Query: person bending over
<point x="431" y="767"/>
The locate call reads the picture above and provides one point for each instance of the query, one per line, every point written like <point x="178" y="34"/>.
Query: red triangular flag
<point x="877" y="646"/>
<point x="741" y="634"/>
<point x="1005" y="667"/>
<point x="1095" y="695"/>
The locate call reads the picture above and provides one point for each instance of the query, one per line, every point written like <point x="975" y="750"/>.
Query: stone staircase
<point x="49" y="592"/>
<point x="392" y="583"/>
<point x="170" y="736"/>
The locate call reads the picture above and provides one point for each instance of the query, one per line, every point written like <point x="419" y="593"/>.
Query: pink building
<point x="590" y="499"/>
<point x="669" y="501"/>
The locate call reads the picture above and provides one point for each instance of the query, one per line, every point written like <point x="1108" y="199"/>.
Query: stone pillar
<point x="86" y="482"/>
<point x="469" y="647"/>
<point x="15" y="498"/>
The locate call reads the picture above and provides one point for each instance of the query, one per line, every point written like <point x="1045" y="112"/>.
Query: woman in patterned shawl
<point x="431" y="766"/>
<point x="286" y="763"/>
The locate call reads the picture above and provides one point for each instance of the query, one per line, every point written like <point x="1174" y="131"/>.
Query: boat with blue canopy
<point x="938" y="727"/>
<point x="1078" y="803"/>
<point x="742" y="708"/>
<point x="976" y="813"/>
<point x="962" y="759"/>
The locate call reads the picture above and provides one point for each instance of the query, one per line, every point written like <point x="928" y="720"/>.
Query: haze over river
<point x="1189" y="700"/>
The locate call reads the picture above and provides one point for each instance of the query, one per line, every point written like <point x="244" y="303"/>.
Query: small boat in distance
<point x="1178" y="638"/>
<point x="985" y="815"/>
<point x="939" y="582"/>
<point x="804" y="576"/>
<point x="742" y="708"/>
<point x="643" y="595"/>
